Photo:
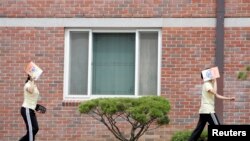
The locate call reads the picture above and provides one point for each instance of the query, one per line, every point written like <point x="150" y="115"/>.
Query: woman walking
<point x="207" y="108"/>
<point x="31" y="95"/>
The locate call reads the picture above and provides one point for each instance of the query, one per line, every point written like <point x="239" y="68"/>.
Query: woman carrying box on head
<point x="207" y="107"/>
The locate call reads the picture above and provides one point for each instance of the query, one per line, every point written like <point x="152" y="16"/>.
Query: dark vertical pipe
<point x="219" y="54"/>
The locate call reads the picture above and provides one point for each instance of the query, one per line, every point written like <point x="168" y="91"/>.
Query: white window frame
<point x="67" y="96"/>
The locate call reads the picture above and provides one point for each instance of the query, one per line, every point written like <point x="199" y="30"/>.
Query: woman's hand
<point x="232" y="98"/>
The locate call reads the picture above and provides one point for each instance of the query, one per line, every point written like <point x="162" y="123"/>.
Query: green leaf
<point x="242" y="75"/>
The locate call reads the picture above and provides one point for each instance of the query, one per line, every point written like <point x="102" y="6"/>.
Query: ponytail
<point x="28" y="78"/>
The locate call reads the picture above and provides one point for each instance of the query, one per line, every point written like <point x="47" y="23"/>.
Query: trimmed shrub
<point x="140" y="113"/>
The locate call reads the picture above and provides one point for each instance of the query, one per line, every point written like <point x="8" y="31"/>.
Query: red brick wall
<point x="121" y="8"/>
<point x="237" y="42"/>
<point x="185" y="51"/>
<point x="188" y="50"/>
<point x="46" y="47"/>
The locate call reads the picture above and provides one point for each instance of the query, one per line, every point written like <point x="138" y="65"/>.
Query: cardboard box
<point x="211" y="73"/>
<point x="33" y="70"/>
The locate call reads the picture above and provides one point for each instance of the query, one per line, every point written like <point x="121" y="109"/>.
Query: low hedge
<point x="184" y="136"/>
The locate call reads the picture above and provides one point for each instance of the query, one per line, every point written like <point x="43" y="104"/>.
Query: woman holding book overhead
<point x="30" y="106"/>
<point x="207" y="108"/>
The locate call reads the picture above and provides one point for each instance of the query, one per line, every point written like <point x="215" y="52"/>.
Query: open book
<point x="211" y="73"/>
<point x="33" y="70"/>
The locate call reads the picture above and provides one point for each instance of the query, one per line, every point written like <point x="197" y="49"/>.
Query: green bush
<point x="184" y="136"/>
<point x="243" y="75"/>
<point x="140" y="113"/>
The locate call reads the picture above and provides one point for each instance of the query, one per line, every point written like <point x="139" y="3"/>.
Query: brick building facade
<point x="183" y="36"/>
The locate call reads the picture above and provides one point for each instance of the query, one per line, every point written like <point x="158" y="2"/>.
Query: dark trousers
<point x="29" y="117"/>
<point x="212" y="119"/>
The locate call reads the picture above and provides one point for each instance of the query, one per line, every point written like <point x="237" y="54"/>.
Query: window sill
<point x="71" y="103"/>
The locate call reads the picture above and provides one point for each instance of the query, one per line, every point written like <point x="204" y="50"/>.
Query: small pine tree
<point x="139" y="113"/>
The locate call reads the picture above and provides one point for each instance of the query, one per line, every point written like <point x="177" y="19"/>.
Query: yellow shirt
<point x="207" y="99"/>
<point x="30" y="99"/>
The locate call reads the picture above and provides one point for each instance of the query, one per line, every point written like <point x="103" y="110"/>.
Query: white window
<point x="111" y="63"/>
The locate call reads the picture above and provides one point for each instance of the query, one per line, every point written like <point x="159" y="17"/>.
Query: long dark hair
<point x="28" y="78"/>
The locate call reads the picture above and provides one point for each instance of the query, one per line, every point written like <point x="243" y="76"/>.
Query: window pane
<point x="78" y="78"/>
<point x="113" y="63"/>
<point x="148" y="63"/>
